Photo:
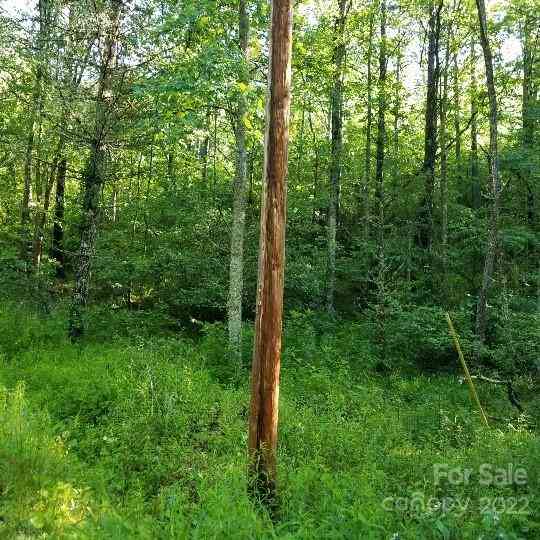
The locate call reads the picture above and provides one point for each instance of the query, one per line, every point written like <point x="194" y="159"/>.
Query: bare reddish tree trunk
<point x="263" y="422"/>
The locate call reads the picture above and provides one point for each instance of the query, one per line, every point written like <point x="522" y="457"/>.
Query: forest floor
<point x="143" y="436"/>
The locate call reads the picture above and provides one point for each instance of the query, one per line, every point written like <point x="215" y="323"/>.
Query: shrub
<point x="420" y="336"/>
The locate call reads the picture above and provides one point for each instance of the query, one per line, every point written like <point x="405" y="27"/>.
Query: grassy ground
<point x="144" y="437"/>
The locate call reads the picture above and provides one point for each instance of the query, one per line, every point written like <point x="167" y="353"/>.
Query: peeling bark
<point x="263" y="422"/>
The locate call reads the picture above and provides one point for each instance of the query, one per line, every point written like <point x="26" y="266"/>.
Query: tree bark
<point x="443" y="110"/>
<point x="263" y="422"/>
<point x="236" y="271"/>
<point x="457" y="108"/>
<point x="476" y="192"/>
<point x="27" y="194"/>
<point x="94" y="174"/>
<point x="529" y="104"/>
<point x="369" y="121"/>
<point x="528" y="91"/>
<point x="379" y="183"/>
<point x="33" y="119"/>
<point x="71" y="76"/>
<point x="336" y="151"/>
<point x="41" y="214"/>
<point x="315" y="214"/>
<point x="425" y="233"/>
<point x="493" y="233"/>
<point x="396" y="112"/>
<point x="203" y="149"/>
<point x="58" y="251"/>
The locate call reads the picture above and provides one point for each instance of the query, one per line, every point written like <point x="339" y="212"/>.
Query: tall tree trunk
<point x="41" y="214"/>
<point x="315" y="210"/>
<point x="203" y="149"/>
<point x="493" y="233"/>
<point x="457" y="108"/>
<point x="443" y="110"/>
<point x="476" y="192"/>
<point x="300" y="152"/>
<point x="425" y="236"/>
<point x="114" y="203"/>
<point x="396" y="112"/>
<point x="379" y="184"/>
<point x="236" y="271"/>
<point x="94" y="174"/>
<point x="214" y="156"/>
<point x="529" y="104"/>
<point x="34" y="120"/>
<point x="58" y="251"/>
<point x="369" y="121"/>
<point x="27" y="194"/>
<point x="170" y="168"/>
<point x="336" y="150"/>
<point x="71" y="75"/>
<point x="263" y="422"/>
<point x="527" y="96"/>
<point x="41" y="217"/>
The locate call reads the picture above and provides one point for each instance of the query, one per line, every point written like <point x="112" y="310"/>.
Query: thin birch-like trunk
<point x="493" y="232"/>
<point x="236" y="270"/>
<point x="336" y="152"/>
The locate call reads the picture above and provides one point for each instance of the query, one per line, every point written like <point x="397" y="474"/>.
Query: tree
<point x="369" y="122"/>
<point x="476" y="192"/>
<point x="443" y="111"/>
<point x="493" y="232"/>
<point x="68" y="78"/>
<point x="58" y="250"/>
<point x="457" y="104"/>
<point x="530" y="37"/>
<point x="425" y="233"/>
<point x="236" y="271"/>
<point x="379" y="180"/>
<point x="263" y="422"/>
<point x="94" y="175"/>
<point x="34" y="122"/>
<point x="336" y="113"/>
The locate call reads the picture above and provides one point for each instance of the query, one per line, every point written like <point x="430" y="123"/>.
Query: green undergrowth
<point x="145" y="438"/>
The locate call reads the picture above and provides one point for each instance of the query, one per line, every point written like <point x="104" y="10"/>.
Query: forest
<point x="270" y="269"/>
